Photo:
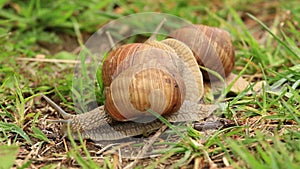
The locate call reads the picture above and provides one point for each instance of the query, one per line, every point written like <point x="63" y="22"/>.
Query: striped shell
<point x="211" y="46"/>
<point x="153" y="75"/>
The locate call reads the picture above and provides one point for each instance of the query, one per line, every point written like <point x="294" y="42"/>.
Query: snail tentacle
<point x="64" y="114"/>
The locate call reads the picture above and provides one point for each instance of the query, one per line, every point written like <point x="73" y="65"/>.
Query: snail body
<point x="98" y="125"/>
<point x="162" y="76"/>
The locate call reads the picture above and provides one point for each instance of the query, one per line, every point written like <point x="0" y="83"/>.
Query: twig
<point x="65" y="145"/>
<point x="105" y="148"/>
<point x="49" y="60"/>
<point x="110" y="40"/>
<point x="146" y="147"/>
<point x="153" y="36"/>
<point x="210" y="162"/>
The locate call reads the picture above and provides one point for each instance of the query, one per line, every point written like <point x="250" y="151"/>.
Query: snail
<point x="159" y="75"/>
<point x="211" y="46"/>
<point x="170" y="76"/>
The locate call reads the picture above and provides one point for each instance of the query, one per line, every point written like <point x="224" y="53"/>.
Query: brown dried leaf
<point x="240" y="84"/>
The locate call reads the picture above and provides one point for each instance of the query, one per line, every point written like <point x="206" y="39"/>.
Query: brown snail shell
<point x="111" y="65"/>
<point x="116" y="57"/>
<point x="193" y="77"/>
<point x="144" y="86"/>
<point x="149" y="76"/>
<point x="211" y="46"/>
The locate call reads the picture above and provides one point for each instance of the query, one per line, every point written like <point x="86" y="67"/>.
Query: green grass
<point x="266" y="36"/>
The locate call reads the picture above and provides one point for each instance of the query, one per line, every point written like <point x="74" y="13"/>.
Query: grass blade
<point x="274" y="36"/>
